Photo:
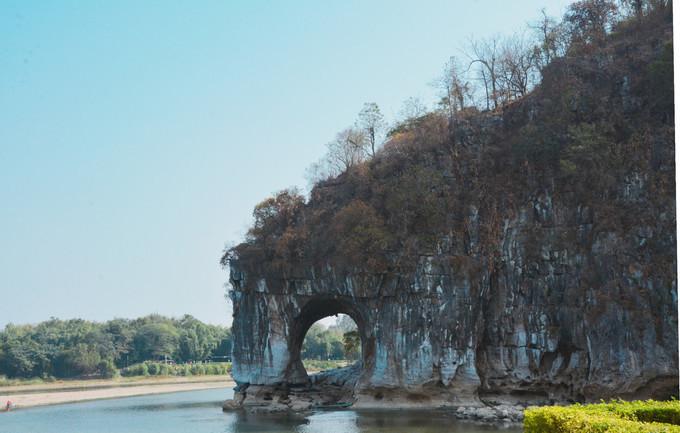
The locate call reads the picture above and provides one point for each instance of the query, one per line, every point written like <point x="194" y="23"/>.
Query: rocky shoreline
<point x="337" y="389"/>
<point x="491" y="414"/>
<point x="503" y="414"/>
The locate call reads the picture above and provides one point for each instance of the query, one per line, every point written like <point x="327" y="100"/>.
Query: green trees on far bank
<point x="79" y="348"/>
<point x="340" y="341"/>
<point x="321" y="343"/>
<point x="143" y="347"/>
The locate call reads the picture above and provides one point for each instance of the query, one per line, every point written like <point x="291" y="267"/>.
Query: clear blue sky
<point x="136" y="137"/>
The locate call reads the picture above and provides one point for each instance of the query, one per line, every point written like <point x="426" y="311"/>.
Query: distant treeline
<point x="150" y="368"/>
<point x="337" y="342"/>
<point x="80" y="348"/>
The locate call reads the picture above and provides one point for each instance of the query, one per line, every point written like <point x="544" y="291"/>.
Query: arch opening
<point x="342" y="333"/>
<point x="332" y="342"/>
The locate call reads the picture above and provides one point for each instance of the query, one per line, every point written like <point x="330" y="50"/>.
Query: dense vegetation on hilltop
<point x="79" y="348"/>
<point x="583" y="112"/>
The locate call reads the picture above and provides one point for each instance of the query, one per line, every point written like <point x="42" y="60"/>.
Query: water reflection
<point x="257" y="423"/>
<point x="416" y="421"/>
<point x="168" y="406"/>
<point x="333" y="422"/>
<point x="200" y="412"/>
<point x="349" y="421"/>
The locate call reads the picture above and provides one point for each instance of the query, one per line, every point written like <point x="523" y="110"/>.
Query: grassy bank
<point x="161" y="369"/>
<point x="5" y="381"/>
<point x="141" y="370"/>
<point x="615" y="417"/>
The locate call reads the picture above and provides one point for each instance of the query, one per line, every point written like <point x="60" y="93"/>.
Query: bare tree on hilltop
<point x="348" y="149"/>
<point x="497" y="70"/>
<point x="455" y="88"/>
<point x="485" y="54"/>
<point x="372" y="122"/>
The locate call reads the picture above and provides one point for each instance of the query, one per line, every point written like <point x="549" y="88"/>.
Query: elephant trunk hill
<point x="521" y="255"/>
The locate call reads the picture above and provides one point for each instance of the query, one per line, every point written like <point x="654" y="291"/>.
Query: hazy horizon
<point x="136" y="140"/>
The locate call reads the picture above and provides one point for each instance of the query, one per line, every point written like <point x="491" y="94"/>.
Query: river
<point x="201" y="412"/>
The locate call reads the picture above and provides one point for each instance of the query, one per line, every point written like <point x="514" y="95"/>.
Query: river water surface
<point x="201" y="412"/>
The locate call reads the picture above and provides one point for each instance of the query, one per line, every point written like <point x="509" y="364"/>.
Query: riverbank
<point x="60" y="392"/>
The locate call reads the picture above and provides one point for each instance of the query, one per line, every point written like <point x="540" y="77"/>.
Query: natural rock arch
<point x="408" y="351"/>
<point x="320" y="307"/>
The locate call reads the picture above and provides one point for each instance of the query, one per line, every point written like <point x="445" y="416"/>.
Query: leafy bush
<point x="78" y="360"/>
<point x="154" y="368"/>
<point x="107" y="369"/>
<point x="645" y="411"/>
<point x="135" y="370"/>
<point x="620" y="417"/>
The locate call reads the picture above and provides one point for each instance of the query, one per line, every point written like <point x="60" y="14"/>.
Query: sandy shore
<point x="68" y="392"/>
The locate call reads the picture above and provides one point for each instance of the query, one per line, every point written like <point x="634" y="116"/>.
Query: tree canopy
<point x="79" y="348"/>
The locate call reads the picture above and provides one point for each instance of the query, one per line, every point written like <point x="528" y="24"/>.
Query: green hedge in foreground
<point x="615" y="417"/>
<point x="161" y="369"/>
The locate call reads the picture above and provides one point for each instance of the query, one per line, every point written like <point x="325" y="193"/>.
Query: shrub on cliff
<point x="361" y="234"/>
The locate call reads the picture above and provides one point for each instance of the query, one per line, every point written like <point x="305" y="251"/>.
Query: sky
<point x="136" y="137"/>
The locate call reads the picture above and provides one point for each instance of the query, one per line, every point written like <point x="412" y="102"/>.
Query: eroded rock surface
<point x="540" y="287"/>
<point x="521" y="332"/>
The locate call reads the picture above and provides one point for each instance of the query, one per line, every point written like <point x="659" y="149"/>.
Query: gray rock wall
<point x="553" y="277"/>
<point x="586" y="315"/>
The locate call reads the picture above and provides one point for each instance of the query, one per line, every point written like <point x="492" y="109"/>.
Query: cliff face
<point x="523" y="328"/>
<point x="528" y="256"/>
